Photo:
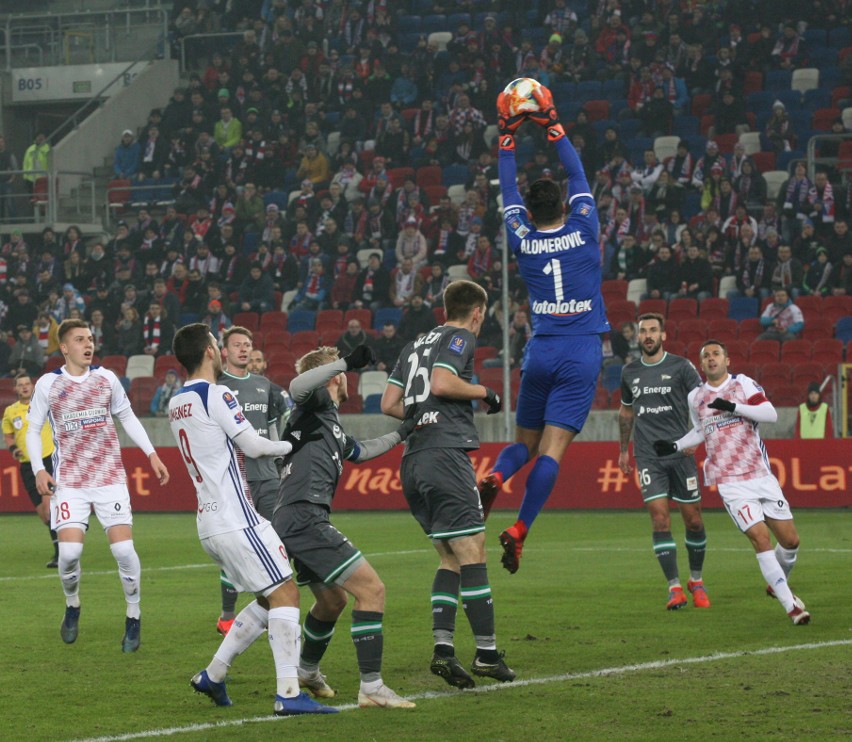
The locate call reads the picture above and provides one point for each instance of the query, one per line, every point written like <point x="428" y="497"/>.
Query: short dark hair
<point x="713" y="341"/>
<point x="68" y="325"/>
<point x="190" y="344"/>
<point x="23" y="374"/>
<point x="653" y="315"/>
<point x="461" y="298"/>
<point x="544" y="200"/>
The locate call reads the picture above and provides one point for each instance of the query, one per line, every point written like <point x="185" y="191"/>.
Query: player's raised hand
<point x="362" y="356"/>
<point x="159" y="468"/>
<point x="547" y="115"/>
<point x="507" y="125"/>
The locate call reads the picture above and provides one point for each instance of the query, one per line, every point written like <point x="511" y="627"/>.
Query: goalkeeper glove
<point x="547" y="115"/>
<point x="507" y="125"/>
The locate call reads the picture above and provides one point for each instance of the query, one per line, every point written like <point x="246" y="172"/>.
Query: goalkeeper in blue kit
<point x="559" y="259"/>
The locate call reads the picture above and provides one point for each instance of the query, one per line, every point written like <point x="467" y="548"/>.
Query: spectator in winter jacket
<point x="257" y="293"/>
<point x="782" y="319"/>
<point x="696" y="275"/>
<point x="125" y="161"/>
<point x="663" y="277"/>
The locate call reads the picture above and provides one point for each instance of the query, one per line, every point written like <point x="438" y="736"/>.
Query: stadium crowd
<point x="342" y="155"/>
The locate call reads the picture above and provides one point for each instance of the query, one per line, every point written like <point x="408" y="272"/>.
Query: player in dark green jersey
<point x="431" y="383"/>
<point x="654" y="394"/>
<point x="323" y="558"/>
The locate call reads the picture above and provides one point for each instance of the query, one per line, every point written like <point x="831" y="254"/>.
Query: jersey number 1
<point x="555" y="267"/>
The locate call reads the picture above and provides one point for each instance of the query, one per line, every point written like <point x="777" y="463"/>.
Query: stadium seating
<point x="796" y="351"/>
<point x="764" y="351"/>
<point x="372" y="382"/>
<point x="142" y="391"/>
<point x="385" y="315"/>
<point x="138" y="366"/>
<point x="682" y="309"/>
<point x="249" y="320"/>
<point x="300" y="320"/>
<point x="273" y="320"/>
<point x="116" y="364"/>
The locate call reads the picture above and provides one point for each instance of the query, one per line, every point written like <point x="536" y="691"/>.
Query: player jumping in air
<point x="725" y="411"/>
<point x="560" y="261"/>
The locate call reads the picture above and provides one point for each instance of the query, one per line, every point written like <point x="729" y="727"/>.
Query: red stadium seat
<point x="116" y="364"/>
<point x="804" y="373"/>
<point x="683" y="309"/>
<point x="796" y="351"/>
<point x="429" y="175"/>
<point x="722" y="329"/>
<point x="786" y="395"/>
<point x="713" y="308"/>
<point x="749" y="329"/>
<point x="689" y="330"/>
<point x="737" y="352"/>
<point x="677" y="348"/>
<point x="273" y="320"/>
<point x="818" y="328"/>
<point x="774" y="373"/>
<point x="753" y="82"/>
<point x="615" y="287"/>
<point x="249" y="320"/>
<point x="364" y="316"/>
<point x="142" y="390"/>
<point x="655" y="306"/>
<point x="827" y="351"/>
<point x="764" y="351"/>
<point x="763" y="161"/>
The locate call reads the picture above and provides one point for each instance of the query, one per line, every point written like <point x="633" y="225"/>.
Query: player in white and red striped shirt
<point x="726" y="411"/>
<point x="79" y="401"/>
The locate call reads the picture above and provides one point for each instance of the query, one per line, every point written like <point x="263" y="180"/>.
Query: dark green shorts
<point x="440" y="487"/>
<point x="674" y="477"/>
<point x="264" y="494"/>
<point x="318" y="551"/>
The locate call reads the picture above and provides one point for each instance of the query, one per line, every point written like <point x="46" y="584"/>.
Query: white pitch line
<point x="546" y="680"/>
<point x="210" y="565"/>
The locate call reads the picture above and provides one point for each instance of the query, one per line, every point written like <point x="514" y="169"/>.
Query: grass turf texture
<point x="589" y="596"/>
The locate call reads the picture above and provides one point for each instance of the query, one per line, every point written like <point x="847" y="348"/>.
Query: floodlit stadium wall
<point x="812" y="474"/>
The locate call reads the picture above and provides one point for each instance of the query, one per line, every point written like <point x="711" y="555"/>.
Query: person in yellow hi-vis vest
<point x="15" y="434"/>
<point x="814" y="419"/>
<point x="36" y="160"/>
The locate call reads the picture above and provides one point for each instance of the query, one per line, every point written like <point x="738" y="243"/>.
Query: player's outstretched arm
<point x="548" y="117"/>
<point x="507" y="168"/>
<point x="370" y="449"/>
<point x="306" y="383"/>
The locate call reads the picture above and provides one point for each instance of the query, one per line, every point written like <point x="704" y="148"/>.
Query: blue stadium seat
<point x="589" y="90"/>
<point x="778" y="80"/>
<point x="743" y="307"/>
<point x="685" y="126"/>
<point x="301" y="320"/>
<point x="409" y="23"/>
<point x="800" y="120"/>
<point x="817" y="98"/>
<point x="373" y="404"/>
<point x="250" y="242"/>
<point x="423" y="6"/>
<point x="784" y="159"/>
<point x="455" y="175"/>
<point x="843" y="329"/>
<point x="432" y="23"/>
<point x="761" y="101"/>
<point x="790" y="98"/>
<point x="564" y="90"/>
<point x="840" y="37"/>
<point x="613" y="89"/>
<point x="279" y="198"/>
<point x="386" y="314"/>
<point x="616" y="105"/>
<point x="628" y="128"/>
<point x="829" y="77"/>
<point x="691" y="204"/>
<point x="601" y="126"/>
<point x="825" y="56"/>
<point x="187" y="318"/>
<point x="456" y="18"/>
<point x="816" y="38"/>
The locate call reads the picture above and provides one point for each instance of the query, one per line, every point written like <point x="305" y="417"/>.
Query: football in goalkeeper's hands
<point x="519" y="95"/>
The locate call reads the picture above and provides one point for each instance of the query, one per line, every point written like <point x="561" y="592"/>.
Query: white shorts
<point x="70" y="507"/>
<point x="254" y="559"/>
<point x="751" y="501"/>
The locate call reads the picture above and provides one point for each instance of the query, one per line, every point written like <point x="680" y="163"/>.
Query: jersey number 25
<point x="415" y="372"/>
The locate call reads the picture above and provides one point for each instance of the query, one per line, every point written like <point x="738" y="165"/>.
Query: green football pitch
<point x="583" y="623"/>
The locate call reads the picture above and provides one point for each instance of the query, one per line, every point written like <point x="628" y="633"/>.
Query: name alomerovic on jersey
<point x="563" y="242"/>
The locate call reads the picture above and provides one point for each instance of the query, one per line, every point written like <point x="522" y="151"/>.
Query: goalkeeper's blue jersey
<point x="561" y="268"/>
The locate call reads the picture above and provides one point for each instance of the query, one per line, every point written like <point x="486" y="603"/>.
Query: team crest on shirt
<point x="522" y="231"/>
<point x="229" y="400"/>
<point x="584" y="210"/>
<point x="18" y="423"/>
<point x="457" y="344"/>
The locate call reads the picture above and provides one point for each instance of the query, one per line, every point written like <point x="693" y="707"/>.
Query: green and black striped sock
<point x="696" y="546"/>
<point x="445" y="604"/>
<point x="665" y="550"/>
<point x="479" y="608"/>
<point x="316" y="636"/>
<point x="369" y="643"/>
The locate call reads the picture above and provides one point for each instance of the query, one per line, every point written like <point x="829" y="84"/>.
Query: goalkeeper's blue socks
<point x="511" y="460"/>
<point x="540" y="484"/>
